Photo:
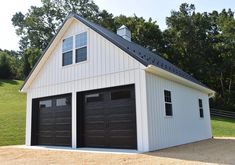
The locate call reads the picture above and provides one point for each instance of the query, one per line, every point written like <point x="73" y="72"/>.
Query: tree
<point x="30" y="58"/>
<point x="4" y="66"/>
<point x="39" y="24"/>
<point x="145" y="33"/>
<point x="202" y="44"/>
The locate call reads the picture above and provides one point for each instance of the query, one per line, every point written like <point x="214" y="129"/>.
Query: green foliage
<point x="10" y="64"/>
<point x="202" y="44"/>
<point x="29" y="59"/>
<point x="39" y="24"/>
<point x="222" y="127"/>
<point x="12" y="113"/>
<point x="145" y="33"/>
<point x="4" y="65"/>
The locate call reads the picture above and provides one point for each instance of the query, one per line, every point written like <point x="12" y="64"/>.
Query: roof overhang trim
<point x="46" y="53"/>
<point x="167" y="75"/>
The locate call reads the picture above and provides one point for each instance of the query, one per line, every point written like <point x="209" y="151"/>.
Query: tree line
<point x="202" y="44"/>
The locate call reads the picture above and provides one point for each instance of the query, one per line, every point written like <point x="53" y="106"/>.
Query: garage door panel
<point x="93" y="113"/>
<point x="122" y="103"/>
<point x="126" y="132"/>
<point x="62" y="114"/>
<point x="112" y="118"/>
<point x="94" y="141"/>
<point x="61" y="127"/>
<point x="121" y="110"/>
<point x="119" y="126"/>
<point x="46" y="126"/>
<point x="90" y="127"/>
<point x="53" y="121"/>
<point x="46" y="134"/>
<point x="46" y="120"/>
<point x="45" y="141"/>
<point x="63" y="141"/>
<point x="44" y="114"/>
<point x="63" y="133"/>
<point x="63" y="120"/>
<point x="122" y="142"/>
<point x="99" y="105"/>
<point x="95" y="132"/>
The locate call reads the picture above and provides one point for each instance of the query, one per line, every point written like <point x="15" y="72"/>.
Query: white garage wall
<point x="106" y="66"/>
<point x="186" y="125"/>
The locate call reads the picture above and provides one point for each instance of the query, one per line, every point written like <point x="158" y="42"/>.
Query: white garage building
<point x="94" y="88"/>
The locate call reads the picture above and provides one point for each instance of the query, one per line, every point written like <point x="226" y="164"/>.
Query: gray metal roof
<point x="138" y="52"/>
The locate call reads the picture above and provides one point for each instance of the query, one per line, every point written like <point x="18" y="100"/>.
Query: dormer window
<point x="81" y="47"/>
<point x="67" y="51"/>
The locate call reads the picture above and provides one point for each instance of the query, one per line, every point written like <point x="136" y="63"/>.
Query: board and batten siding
<point x="106" y="66"/>
<point x="185" y="125"/>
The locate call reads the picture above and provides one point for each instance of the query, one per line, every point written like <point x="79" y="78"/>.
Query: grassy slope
<point x="12" y="113"/>
<point x="12" y="116"/>
<point x="223" y="127"/>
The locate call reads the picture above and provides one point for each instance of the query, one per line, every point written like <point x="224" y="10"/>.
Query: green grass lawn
<point x="12" y="116"/>
<point x="12" y="113"/>
<point x="223" y="127"/>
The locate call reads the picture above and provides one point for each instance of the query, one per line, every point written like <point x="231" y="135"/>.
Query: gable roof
<point x="138" y="52"/>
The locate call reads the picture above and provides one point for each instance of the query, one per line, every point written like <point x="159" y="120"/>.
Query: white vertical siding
<point x="74" y="120"/>
<point x="186" y="125"/>
<point x="106" y="66"/>
<point x="28" y="120"/>
<point x="109" y="66"/>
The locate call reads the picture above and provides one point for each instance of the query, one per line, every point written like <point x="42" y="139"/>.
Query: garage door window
<point x="45" y="104"/>
<point x="120" y="95"/>
<point x="63" y="102"/>
<point x="94" y="97"/>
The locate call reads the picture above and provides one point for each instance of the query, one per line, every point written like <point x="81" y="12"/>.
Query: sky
<point x="158" y="10"/>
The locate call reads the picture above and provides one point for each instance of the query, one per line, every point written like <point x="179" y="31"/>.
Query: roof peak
<point x="138" y="52"/>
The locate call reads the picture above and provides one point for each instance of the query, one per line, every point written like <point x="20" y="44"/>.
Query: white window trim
<point x="62" y="52"/>
<point x="74" y="50"/>
<point x="69" y="49"/>
<point x="201" y="108"/>
<point x="166" y="116"/>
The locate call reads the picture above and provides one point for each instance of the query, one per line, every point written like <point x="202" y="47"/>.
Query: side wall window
<point x="67" y="51"/>
<point x="200" y="108"/>
<point x="168" y="103"/>
<point x="81" y="47"/>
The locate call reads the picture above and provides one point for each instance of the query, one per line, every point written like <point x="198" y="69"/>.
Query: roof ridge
<point x="143" y="55"/>
<point x="140" y="53"/>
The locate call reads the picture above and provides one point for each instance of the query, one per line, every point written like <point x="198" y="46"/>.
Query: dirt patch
<point x="215" y="151"/>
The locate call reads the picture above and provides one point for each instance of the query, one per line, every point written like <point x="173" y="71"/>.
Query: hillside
<point x="12" y="113"/>
<point x="12" y="116"/>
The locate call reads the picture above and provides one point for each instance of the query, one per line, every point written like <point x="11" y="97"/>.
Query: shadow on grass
<point x="223" y="119"/>
<point x="12" y="82"/>
<point x="219" y="151"/>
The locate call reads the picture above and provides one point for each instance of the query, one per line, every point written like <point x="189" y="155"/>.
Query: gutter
<point x="170" y="76"/>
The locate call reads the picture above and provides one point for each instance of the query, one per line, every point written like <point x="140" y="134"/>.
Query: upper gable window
<point x="67" y="51"/>
<point x="81" y="47"/>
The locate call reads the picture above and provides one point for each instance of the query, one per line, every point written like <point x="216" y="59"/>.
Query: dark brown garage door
<point x="109" y="118"/>
<point x="52" y="121"/>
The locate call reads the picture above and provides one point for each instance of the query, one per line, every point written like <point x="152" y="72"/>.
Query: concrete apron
<point x="87" y="150"/>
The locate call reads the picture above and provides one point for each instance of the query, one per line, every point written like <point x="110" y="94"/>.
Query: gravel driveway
<point x="214" y="151"/>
